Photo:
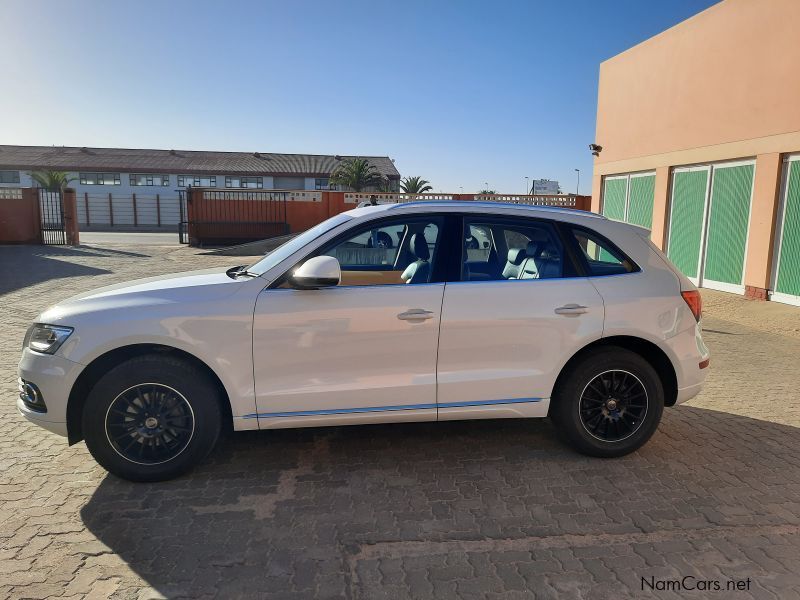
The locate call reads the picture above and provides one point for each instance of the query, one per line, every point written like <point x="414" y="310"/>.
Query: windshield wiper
<point x="240" y="271"/>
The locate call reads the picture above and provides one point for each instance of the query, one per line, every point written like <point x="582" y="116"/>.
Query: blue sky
<point x="461" y="93"/>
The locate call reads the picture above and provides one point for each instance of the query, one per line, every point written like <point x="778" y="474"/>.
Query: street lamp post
<point x="578" y="187"/>
<point x="527" y="189"/>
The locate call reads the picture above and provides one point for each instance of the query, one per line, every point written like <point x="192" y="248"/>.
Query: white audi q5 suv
<point x="473" y="311"/>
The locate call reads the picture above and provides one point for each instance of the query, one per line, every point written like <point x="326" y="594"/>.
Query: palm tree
<point x="415" y="185"/>
<point x="487" y="192"/>
<point x="385" y="187"/>
<point x="356" y="174"/>
<point x="52" y="181"/>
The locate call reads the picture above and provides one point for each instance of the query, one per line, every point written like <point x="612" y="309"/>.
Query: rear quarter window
<point x="600" y="256"/>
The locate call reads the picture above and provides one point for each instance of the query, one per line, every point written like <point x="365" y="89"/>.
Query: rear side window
<point x="601" y="256"/>
<point x="512" y="249"/>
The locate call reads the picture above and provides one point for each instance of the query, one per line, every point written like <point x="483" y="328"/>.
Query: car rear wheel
<point x="609" y="403"/>
<point x="152" y="418"/>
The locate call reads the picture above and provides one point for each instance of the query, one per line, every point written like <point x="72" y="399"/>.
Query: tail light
<point x="695" y="303"/>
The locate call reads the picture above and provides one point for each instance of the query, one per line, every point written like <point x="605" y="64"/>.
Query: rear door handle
<point x="571" y="310"/>
<point x="415" y="314"/>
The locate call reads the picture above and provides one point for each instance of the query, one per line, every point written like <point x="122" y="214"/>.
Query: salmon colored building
<point x="700" y="134"/>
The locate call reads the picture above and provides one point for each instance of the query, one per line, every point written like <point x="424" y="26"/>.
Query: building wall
<point x="723" y="85"/>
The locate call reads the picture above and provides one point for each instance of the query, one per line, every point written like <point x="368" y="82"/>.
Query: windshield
<point x="296" y="243"/>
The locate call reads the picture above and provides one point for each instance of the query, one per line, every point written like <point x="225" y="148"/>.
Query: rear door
<point x="504" y="339"/>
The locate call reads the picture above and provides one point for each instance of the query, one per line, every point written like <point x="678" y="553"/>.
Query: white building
<point x="115" y="185"/>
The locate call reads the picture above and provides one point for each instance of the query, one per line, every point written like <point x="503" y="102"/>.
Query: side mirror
<point x="318" y="272"/>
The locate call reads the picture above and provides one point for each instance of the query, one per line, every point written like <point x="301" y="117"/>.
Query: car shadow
<point x="44" y="263"/>
<point x="293" y="510"/>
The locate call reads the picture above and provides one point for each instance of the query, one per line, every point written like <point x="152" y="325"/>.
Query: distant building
<point x="127" y="171"/>
<point x="119" y="187"/>
<point x="545" y="187"/>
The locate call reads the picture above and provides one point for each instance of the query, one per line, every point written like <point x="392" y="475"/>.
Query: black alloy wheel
<point x="149" y="423"/>
<point x="613" y="405"/>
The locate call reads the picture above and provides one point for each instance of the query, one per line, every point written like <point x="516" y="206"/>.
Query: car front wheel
<point x="152" y="418"/>
<point x="609" y="403"/>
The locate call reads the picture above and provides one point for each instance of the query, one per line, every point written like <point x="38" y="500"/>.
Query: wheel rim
<point x="613" y="405"/>
<point x="149" y="423"/>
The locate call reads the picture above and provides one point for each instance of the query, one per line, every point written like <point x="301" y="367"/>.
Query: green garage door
<point x="640" y="203"/>
<point x="728" y="221"/>
<point x="686" y="220"/>
<point x="615" y="193"/>
<point x="788" y="276"/>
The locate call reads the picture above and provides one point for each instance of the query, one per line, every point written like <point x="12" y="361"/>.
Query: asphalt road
<point x="134" y="238"/>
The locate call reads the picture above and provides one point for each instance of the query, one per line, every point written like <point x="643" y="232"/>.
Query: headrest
<point x="419" y="246"/>
<point x="516" y="255"/>
<point x="532" y="249"/>
<point x="551" y="252"/>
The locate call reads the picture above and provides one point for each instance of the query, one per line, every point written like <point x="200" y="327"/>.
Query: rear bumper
<point x="688" y="393"/>
<point x="688" y="351"/>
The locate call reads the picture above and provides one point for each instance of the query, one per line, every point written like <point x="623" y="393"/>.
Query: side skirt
<point x="514" y="408"/>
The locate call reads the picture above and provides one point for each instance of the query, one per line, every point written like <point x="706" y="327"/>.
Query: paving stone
<point x="461" y="510"/>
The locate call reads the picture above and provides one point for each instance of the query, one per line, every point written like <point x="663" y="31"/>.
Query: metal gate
<point x="51" y="217"/>
<point x="210" y="217"/>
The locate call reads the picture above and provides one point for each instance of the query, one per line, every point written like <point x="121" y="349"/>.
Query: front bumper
<point x="54" y="377"/>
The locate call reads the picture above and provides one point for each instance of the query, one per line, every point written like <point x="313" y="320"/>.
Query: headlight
<point x="46" y="338"/>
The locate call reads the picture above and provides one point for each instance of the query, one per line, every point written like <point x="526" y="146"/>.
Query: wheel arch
<point x="103" y="363"/>
<point x="657" y="358"/>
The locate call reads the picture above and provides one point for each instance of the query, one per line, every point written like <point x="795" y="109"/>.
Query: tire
<point x="152" y="418"/>
<point x="609" y="403"/>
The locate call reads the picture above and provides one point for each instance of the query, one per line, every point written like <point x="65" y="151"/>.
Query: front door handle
<point x="571" y="310"/>
<point x="415" y="314"/>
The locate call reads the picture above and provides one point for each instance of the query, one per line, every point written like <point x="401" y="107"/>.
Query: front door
<point x="364" y="350"/>
<point x="509" y="327"/>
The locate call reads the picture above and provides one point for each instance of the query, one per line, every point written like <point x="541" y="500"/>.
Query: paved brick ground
<point x="471" y="510"/>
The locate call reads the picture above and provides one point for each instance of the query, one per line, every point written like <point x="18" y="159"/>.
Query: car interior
<point x="392" y="254"/>
<point x="527" y="253"/>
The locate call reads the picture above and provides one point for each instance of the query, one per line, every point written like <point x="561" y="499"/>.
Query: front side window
<point x="149" y="179"/>
<point x="9" y="176"/>
<point x="244" y="182"/>
<point x="512" y="250"/>
<point x="297" y="243"/>
<point x="393" y="253"/>
<point x="99" y="179"/>
<point x="601" y="256"/>
<point x="197" y="181"/>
